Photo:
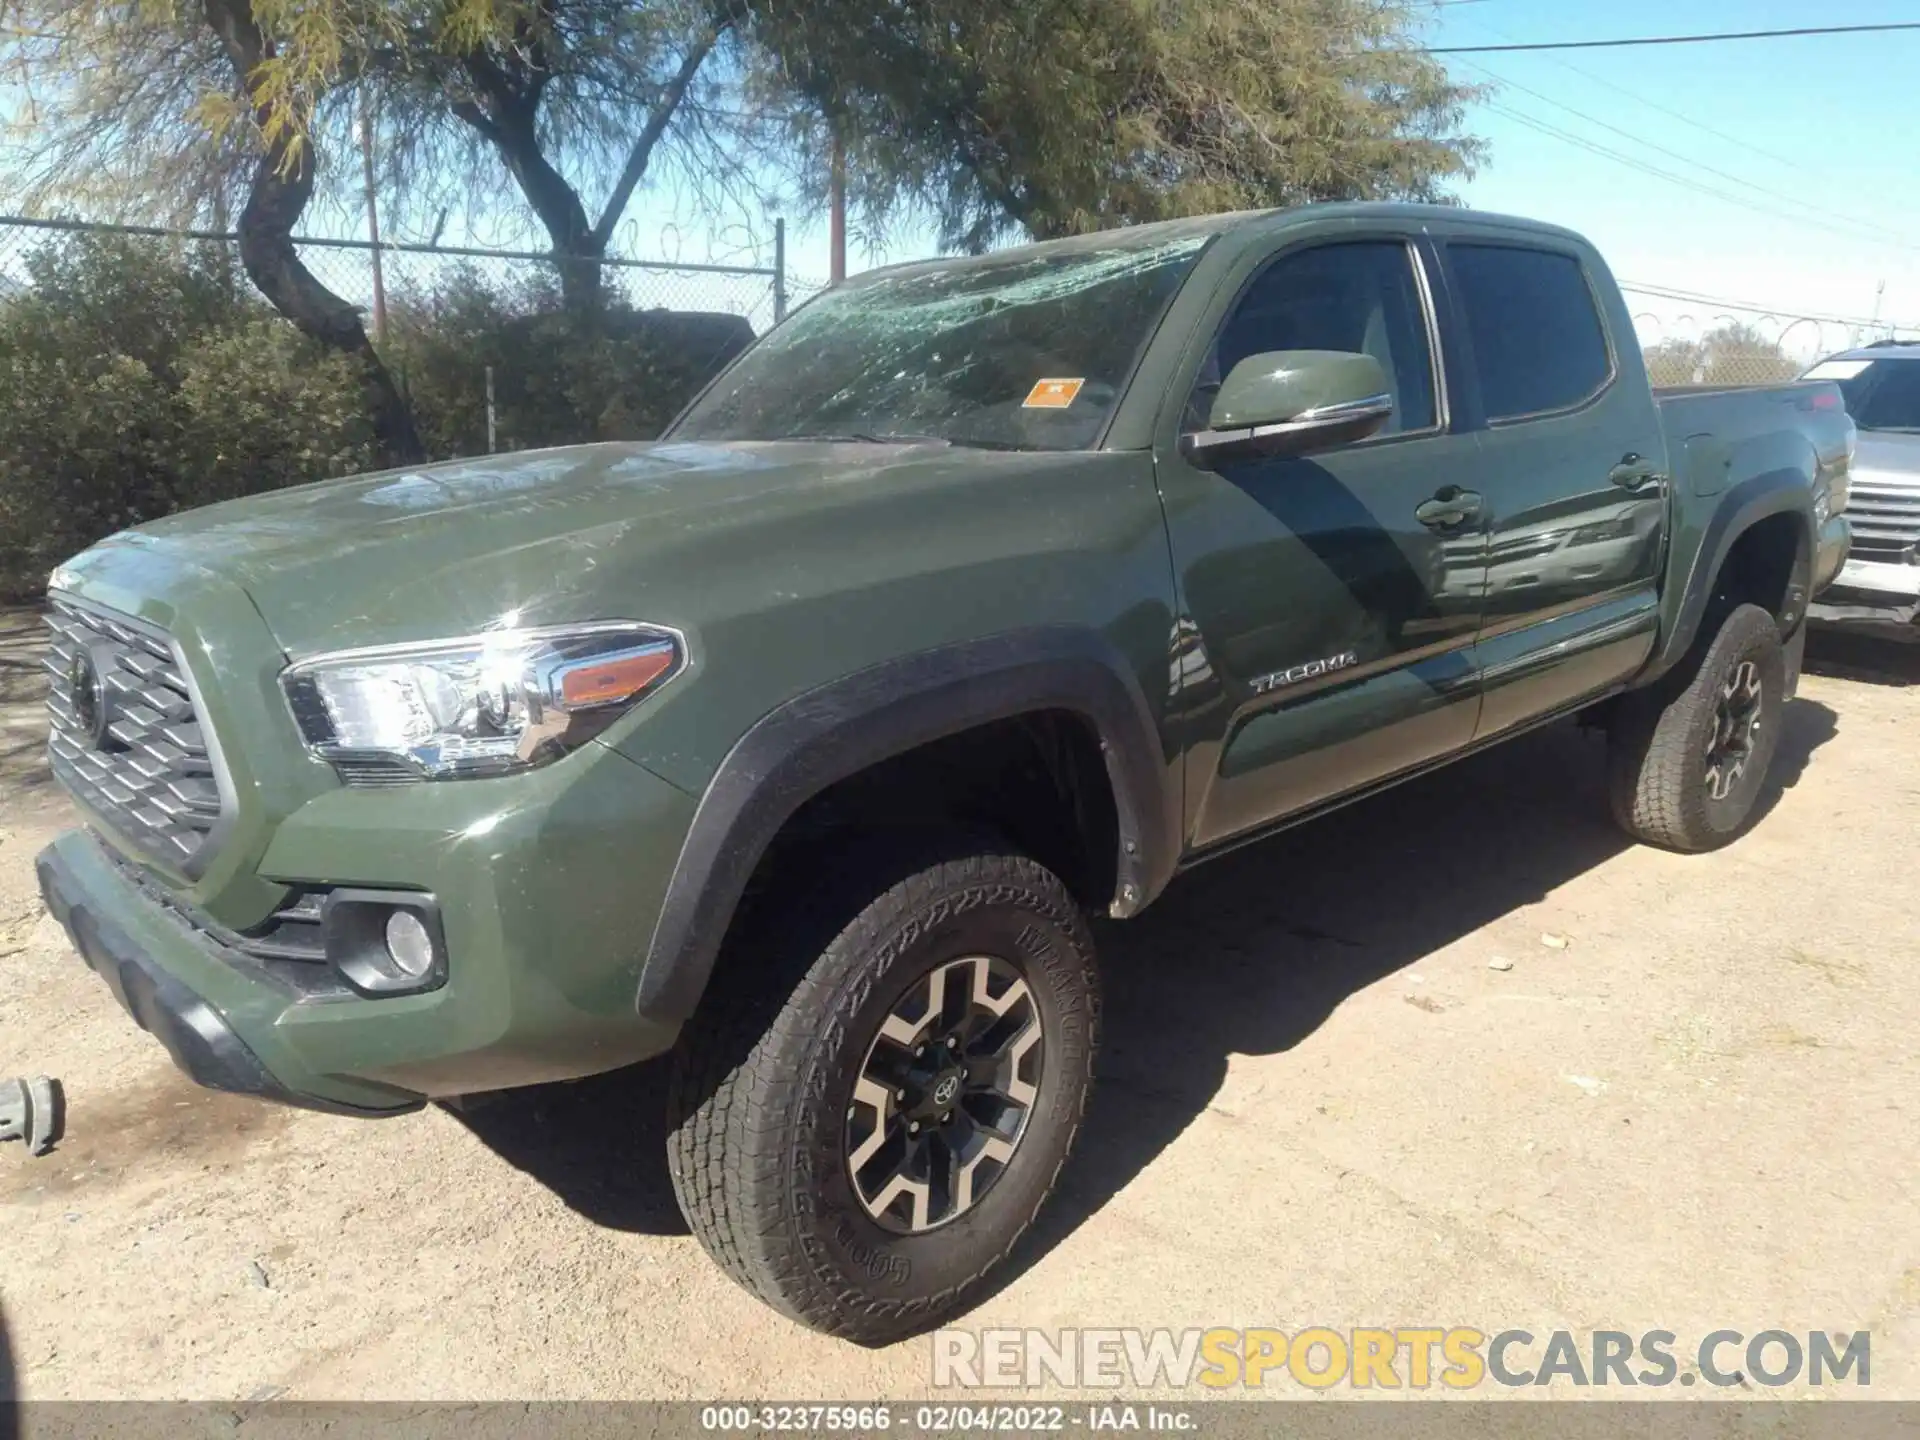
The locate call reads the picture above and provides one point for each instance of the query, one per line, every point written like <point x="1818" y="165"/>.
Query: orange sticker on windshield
<point x="1053" y="394"/>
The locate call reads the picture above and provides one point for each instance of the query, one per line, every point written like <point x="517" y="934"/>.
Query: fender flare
<point x="839" y="729"/>
<point x="1752" y="500"/>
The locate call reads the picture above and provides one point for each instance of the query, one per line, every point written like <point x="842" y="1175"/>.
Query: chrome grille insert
<point x="125" y="736"/>
<point x="1885" y="519"/>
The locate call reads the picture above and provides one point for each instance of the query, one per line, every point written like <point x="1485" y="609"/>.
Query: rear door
<point x="1329" y="629"/>
<point x="1572" y="469"/>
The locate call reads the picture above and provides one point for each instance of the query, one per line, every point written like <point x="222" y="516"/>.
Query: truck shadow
<point x="9" y="1385"/>
<point x="600" y="1144"/>
<point x="1252" y="952"/>
<point x="1247" y="955"/>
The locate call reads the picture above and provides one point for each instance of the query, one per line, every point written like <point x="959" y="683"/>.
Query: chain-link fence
<point x="1699" y="341"/>
<point x="1687" y="339"/>
<point x="364" y="275"/>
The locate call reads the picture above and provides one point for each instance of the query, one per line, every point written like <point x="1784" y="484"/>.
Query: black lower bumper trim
<point x="199" y="1040"/>
<point x="1839" y="605"/>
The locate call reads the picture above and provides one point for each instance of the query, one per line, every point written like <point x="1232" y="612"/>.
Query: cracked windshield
<point x="1025" y="353"/>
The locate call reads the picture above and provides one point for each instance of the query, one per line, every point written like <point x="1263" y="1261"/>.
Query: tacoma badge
<point x="1308" y="671"/>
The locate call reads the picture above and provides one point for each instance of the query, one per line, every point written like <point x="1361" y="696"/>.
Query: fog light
<point x="385" y="942"/>
<point x="409" y="944"/>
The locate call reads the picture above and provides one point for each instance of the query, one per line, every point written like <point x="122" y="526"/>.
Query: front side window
<point x="1538" y="344"/>
<point x="1361" y="298"/>
<point x="1025" y="351"/>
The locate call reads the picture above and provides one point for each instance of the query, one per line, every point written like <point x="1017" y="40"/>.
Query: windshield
<point x="1880" y="394"/>
<point x="1029" y="351"/>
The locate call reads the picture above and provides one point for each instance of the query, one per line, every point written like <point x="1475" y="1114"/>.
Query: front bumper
<point x="548" y="883"/>
<point x="194" y="1033"/>
<point x="1875" y="594"/>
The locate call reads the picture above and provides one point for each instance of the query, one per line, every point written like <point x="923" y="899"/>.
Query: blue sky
<point x="1800" y="194"/>
<point x="1824" y="121"/>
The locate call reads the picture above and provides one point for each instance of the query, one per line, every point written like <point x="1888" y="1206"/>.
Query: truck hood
<point x="538" y="537"/>
<point x="1887" y="457"/>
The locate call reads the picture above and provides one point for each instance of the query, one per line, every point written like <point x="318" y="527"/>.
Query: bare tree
<point x="576" y="102"/>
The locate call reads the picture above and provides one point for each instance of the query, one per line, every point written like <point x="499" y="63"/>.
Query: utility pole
<point x="837" y="214"/>
<point x="221" y="221"/>
<point x="779" y="270"/>
<point x="1879" y="295"/>
<point x="373" y="222"/>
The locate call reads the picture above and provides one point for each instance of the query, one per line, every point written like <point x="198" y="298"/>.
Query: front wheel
<point x="1687" y="765"/>
<point x="862" y="1128"/>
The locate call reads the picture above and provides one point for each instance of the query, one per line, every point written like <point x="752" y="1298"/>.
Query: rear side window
<point x="1538" y="344"/>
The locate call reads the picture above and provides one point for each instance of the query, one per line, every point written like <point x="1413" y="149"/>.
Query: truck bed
<point x="1722" y="441"/>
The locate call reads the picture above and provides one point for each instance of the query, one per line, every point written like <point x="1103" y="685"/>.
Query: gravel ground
<point x="1349" y="1081"/>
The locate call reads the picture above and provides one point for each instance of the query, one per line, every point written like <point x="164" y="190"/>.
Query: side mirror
<point x="1293" y="402"/>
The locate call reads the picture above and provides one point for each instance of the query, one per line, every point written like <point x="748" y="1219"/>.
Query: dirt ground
<point x="1346" y="1082"/>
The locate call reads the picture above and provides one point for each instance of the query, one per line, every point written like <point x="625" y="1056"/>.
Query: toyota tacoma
<point x="978" y="597"/>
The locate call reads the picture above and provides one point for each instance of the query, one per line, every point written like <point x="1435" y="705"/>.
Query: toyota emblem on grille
<point x="89" y="696"/>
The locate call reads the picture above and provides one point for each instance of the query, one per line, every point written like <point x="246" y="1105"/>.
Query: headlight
<point x="479" y="705"/>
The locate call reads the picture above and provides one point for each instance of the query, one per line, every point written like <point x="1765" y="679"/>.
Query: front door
<point x="1330" y="605"/>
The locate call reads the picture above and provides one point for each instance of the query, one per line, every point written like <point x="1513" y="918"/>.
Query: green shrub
<point x="560" y="378"/>
<point x="262" y="407"/>
<point x="138" y="377"/>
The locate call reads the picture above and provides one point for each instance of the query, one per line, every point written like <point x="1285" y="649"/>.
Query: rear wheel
<point x="868" y="1117"/>
<point x="1688" y="761"/>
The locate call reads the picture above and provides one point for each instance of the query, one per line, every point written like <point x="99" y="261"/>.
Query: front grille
<point x="129" y="744"/>
<point x="1885" y="520"/>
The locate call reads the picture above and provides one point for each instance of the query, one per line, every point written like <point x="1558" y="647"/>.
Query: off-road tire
<point x="1659" y="741"/>
<point x="763" y="1081"/>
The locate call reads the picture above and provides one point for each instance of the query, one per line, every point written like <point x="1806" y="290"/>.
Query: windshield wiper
<point x="861" y="437"/>
<point x="974" y="442"/>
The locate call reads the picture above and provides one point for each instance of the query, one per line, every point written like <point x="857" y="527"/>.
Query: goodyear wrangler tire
<point x="1687" y="761"/>
<point x="869" y="1114"/>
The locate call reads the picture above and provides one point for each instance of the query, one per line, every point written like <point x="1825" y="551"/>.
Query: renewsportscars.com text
<point x="1404" y="1357"/>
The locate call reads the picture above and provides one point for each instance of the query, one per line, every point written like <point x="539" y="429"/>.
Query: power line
<point x="1671" y="39"/>
<point x="1878" y="232"/>
<point x="1685" y="119"/>
<point x="1640" y="99"/>
<point x="1534" y="122"/>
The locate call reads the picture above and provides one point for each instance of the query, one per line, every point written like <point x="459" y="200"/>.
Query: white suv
<point x="1880" y="586"/>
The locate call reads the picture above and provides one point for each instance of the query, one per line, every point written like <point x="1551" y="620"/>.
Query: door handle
<point x="1449" y="508"/>
<point x="1632" y="472"/>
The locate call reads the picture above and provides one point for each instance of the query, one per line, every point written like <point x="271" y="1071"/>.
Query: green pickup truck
<point x="978" y="597"/>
